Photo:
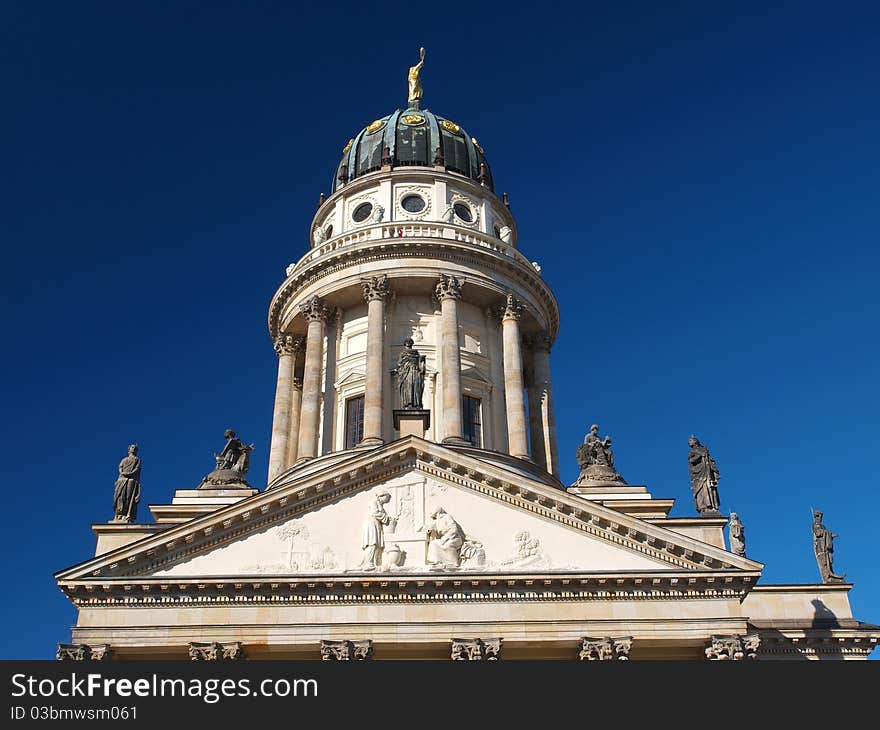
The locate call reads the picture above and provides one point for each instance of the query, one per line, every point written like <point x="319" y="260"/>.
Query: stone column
<point x="545" y="450"/>
<point x="296" y="396"/>
<point x="448" y="292"/>
<point x="376" y="293"/>
<point x="316" y="314"/>
<point x="513" y="379"/>
<point x="285" y="347"/>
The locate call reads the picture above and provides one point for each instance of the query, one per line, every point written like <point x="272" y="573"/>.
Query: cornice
<point x="414" y="247"/>
<point x="410" y="588"/>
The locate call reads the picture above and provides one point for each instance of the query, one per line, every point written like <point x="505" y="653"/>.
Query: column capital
<point x="449" y="287"/>
<point x="476" y="650"/>
<point x="315" y="309"/>
<point x="212" y="651"/>
<point x="512" y="308"/>
<point x="734" y="647"/>
<point x="285" y="344"/>
<point x="605" y="649"/>
<point x="376" y="287"/>
<point x="345" y="650"/>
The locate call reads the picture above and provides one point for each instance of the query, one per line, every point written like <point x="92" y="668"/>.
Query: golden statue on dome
<point x="415" y="83"/>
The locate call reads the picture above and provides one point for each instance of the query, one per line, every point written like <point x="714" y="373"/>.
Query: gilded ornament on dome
<point x="477" y="145"/>
<point x="375" y="126"/>
<point x="347" y="147"/>
<point x="450" y="126"/>
<point x="413" y="119"/>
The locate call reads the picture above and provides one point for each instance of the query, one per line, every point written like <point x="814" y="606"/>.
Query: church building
<point x="413" y="507"/>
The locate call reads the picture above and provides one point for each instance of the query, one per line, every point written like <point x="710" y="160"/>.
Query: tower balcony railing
<point x="393" y="231"/>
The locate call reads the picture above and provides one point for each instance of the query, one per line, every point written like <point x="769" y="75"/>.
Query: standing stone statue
<point x="410" y="374"/>
<point x="823" y="545"/>
<point x="596" y="461"/>
<point x="233" y="463"/>
<point x="704" y="478"/>
<point x="127" y="491"/>
<point x="737" y="533"/>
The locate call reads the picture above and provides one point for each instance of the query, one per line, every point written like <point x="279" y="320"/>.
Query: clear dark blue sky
<point x="700" y="186"/>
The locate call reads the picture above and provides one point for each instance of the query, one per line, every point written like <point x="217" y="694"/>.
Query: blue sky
<point x="699" y="185"/>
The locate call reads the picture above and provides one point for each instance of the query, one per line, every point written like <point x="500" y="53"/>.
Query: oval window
<point x="413" y="204"/>
<point x="362" y="212"/>
<point x="463" y="212"/>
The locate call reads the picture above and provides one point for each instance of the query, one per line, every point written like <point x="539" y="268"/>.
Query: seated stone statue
<point x="596" y="461"/>
<point x="233" y="463"/>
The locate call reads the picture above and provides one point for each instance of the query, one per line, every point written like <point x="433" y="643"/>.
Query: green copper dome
<point x="413" y="137"/>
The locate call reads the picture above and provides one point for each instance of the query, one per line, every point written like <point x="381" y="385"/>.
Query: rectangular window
<point x="470" y="420"/>
<point x="354" y="421"/>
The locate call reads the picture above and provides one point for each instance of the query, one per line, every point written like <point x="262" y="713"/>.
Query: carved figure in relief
<point x="448" y="545"/>
<point x="528" y="552"/>
<point x="127" y="490"/>
<point x="445" y="538"/>
<point x="373" y="535"/>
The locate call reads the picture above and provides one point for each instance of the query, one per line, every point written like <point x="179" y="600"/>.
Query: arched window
<point x="412" y="144"/>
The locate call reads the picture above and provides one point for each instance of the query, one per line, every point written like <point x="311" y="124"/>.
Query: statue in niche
<point x="410" y="375"/>
<point x="596" y="461"/>
<point x="704" y="478"/>
<point x="233" y="463"/>
<point x="737" y="533"/>
<point x="823" y="545"/>
<point x="373" y="533"/>
<point x="127" y="490"/>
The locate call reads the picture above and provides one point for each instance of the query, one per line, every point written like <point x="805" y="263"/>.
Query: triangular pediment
<point x="318" y="521"/>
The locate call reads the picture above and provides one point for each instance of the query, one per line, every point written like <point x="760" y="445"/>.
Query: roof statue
<point x="823" y="546"/>
<point x="704" y="478"/>
<point x="415" y="83"/>
<point x="596" y="461"/>
<point x="233" y="463"/>
<point x="127" y="490"/>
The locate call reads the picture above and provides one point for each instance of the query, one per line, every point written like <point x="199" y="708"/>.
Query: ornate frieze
<point x="82" y="652"/>
<point x="213" y="651"/>
<point x="286" y="344"/>
<point x="315" y="310"/>
<point x="735" y="647"/>
<point x="345" y="650"/>
<point x="449" y="287"/>
<point x="376" y="287"/>
<point x="476" y="650"/>
<point x="605" y="649"/>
